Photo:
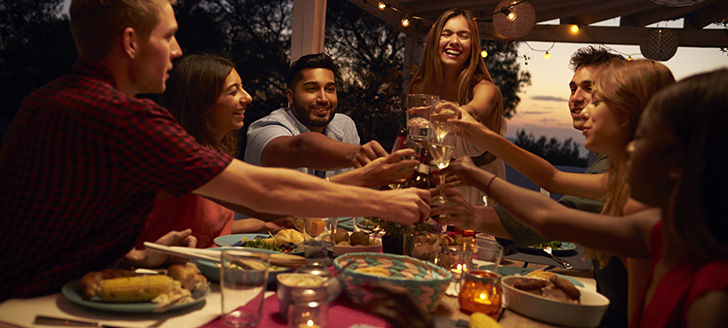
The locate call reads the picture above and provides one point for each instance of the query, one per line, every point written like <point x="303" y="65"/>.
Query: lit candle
<point x="309" y="324"/>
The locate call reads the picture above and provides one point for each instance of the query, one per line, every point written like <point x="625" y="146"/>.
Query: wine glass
<point x="440" y="124"/>
<point x="441" y="154"/>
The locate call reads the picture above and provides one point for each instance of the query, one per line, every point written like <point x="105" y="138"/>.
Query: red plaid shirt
<point x="79" y="168"/>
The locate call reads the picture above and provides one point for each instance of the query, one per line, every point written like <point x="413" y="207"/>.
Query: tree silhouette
<point x="35" y="47"/>
<point x="555" y="152"/>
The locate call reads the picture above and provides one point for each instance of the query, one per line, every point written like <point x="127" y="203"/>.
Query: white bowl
<point x="588" y="313"/>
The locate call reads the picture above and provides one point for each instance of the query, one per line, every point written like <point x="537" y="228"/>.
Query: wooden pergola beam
<point x="593" y="17"/>
<point x="660" y="14"/>
<point x="707" y="15"/>
<point x="612" y="35"/>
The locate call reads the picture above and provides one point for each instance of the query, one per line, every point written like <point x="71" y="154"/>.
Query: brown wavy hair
<point x="193" y="87"/>
<point x="430" y="69"/>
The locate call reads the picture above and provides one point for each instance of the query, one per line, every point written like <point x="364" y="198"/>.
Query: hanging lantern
<point x="677" y="3"/>
<point x="513" y="19"/>
<point x="659" y="44"/>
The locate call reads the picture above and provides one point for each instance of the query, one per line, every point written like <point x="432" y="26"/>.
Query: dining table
<point x="342" y="313"/>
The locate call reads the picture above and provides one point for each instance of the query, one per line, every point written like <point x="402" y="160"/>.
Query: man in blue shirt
<point x="310" y="136"/>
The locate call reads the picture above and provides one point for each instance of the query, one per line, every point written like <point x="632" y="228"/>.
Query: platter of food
<point x="557" y="247"/>
<point x="357" y="241"/>
<point x="284" y="241"/>
<point x="236" y="239"/>
<point x="550" y="298"/>
<point x="122" y="291"/>
<point x="211" y="270"/>
<point x="519" y="271"/>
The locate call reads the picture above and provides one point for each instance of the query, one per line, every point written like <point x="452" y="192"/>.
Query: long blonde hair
<point x="627" y="86"/>
<point x="430" y="72"/>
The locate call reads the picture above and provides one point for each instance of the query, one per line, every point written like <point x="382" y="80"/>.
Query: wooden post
<point x="309" y="27"/>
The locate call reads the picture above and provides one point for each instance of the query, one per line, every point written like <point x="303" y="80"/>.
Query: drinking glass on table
<point x="423" y="241"/>
<point x="489" y="251"/>
<point x="243" y="279"/>
<point x="321" y="247"/>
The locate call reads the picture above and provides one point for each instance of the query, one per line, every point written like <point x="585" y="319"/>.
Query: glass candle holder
<point x="309" y="309"/>
<point x="481" y="292"/>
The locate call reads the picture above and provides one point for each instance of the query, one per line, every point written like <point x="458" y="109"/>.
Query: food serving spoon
<point x="567" y="265"/>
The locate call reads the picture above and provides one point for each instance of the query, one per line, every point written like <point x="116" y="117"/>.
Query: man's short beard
<point x="303" y="116"/>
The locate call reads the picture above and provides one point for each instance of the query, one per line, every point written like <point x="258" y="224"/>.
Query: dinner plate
<point x="211" y="270"/>
<point x="348" y="223"/>
<point x="565" y="248"/>
<point x="73" y="292"/>
<point x="232" y="240"/>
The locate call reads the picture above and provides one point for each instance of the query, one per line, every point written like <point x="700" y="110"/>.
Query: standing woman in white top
<point x="453" y="69"/>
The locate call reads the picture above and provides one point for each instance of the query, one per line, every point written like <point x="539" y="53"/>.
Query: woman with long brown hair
<point x="453" y="70"/>
<point x="622" y="91"/>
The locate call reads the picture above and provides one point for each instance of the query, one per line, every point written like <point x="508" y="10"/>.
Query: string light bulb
<point x="547" y="55"/>
<point x="381" y="5"/>
<point x="574" y="29"/>
<point x="510" y="14"/>
<point x="405" y="22"/>
<point x="483" y="54"/>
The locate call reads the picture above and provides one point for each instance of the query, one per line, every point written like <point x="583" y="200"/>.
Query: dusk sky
<point x="543" y="109"/>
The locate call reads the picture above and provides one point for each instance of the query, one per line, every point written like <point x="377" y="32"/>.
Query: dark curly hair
<point x="590" y="56"/>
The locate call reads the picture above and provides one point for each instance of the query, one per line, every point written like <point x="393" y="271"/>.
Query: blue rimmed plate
<point x="235" y="239"/>
<point x="74" y="293"/>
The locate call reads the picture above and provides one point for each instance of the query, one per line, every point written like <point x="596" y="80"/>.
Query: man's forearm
<point x="289" y="192"/>
<point x="312" y="150"/>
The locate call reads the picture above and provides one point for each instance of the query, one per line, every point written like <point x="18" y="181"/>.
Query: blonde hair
<point x="95" y="24"/>
<point x="430" y="72"/>
<point x="627" y="86"/>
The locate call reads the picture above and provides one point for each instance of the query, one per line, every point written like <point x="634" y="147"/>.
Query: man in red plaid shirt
<point x="84" y="158"/>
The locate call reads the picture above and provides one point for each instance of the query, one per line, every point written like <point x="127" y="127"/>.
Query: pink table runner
<point x="342" y="314"/>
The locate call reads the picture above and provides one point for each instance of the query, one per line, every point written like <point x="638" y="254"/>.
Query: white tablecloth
<point x="21" y="312"/>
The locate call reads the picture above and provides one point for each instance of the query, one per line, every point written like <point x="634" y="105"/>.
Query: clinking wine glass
<point x="441" y="154"/>
<point x="440" y="124"/>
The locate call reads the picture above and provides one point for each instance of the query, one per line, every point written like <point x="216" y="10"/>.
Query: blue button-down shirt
<point x="282" y="122"/>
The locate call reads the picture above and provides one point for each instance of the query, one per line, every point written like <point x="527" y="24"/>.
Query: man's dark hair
<point x="590" y="56"/>
<point x="310" y="61"/>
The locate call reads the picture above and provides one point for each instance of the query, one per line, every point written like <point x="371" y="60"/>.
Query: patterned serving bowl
<point x="425" y="281"/>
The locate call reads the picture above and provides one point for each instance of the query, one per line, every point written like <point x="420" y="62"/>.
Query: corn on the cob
<point x="134" y="289"/>
<point x="481" y="320"/>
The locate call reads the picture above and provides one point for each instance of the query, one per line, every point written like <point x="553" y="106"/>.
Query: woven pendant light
<point x="513" y="19"/>
<point x="677" y="3"/>
<point x="659" y="44"/>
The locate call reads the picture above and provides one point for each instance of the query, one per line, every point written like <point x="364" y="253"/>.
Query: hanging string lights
<point x="513" y="19"/>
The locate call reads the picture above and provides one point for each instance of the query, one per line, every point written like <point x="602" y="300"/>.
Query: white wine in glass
<point x="441" y="125"/>
<point x="441" y="154"/>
